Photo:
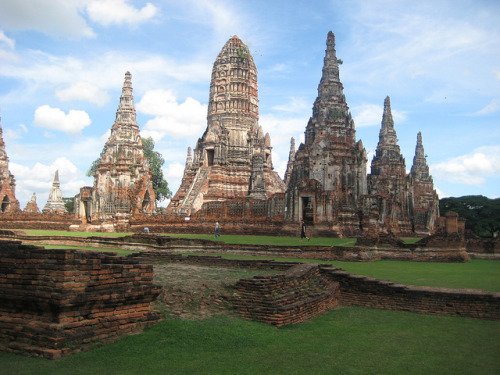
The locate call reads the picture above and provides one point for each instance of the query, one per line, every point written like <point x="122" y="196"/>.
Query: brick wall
<point x="380" y="294"/>
<point x="295" y="296"/>
<point x="54" y="302"/>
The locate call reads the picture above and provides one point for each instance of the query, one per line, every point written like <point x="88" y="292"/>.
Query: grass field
<point x="344" y="341"/>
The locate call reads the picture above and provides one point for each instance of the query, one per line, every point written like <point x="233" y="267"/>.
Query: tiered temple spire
<point x="232" y="159"/>
<point x="123" y="181"/>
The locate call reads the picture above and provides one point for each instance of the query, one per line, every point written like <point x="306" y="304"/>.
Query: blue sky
<point x="62" y="66"/>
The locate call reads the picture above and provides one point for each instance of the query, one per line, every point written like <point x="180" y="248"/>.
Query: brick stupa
<point x="123" y="183"/>
<point x="329" y="171"/>
<point x="387" y="200"/>
<point x="232" y="159"/>
<point x="8" y="201"/>
<point x="424" y="201"/>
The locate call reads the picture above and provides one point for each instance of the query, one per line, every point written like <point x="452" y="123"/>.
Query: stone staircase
<point x="194" y="190"/>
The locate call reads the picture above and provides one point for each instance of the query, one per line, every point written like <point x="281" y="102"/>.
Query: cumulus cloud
<point x="55" y="119"/>
<point x="83" y="91"/>
<point x="179" y="120"/>
<point x="38" y="179"/>
<point x="55" y="18"/>
<point x="108" y="12"/>
<point x="470" y="169"/>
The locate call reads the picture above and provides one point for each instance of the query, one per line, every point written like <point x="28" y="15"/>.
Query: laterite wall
<point x="54" y="302"/>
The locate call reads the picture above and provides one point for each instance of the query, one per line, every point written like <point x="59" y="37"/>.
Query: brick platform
<point x="54" y="302"/>
<point x="297" y="295"/>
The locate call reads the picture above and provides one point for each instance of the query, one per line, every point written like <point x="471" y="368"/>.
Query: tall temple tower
<point x="123" y="182"/>
<point x="55" y="203"/>
<point x="8" y="201"/>
<point x="232" y="159"/>
<point x="329" y="172"/>
<point x="386" y="206"/>
<point x="424" y="201"/>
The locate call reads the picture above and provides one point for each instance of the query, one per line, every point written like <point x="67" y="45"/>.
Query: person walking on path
<point x="303" y="229"/>
<point x="217" y="227"/>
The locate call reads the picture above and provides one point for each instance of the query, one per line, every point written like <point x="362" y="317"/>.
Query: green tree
<point x="69" y="203"/>
<point x="482" y="214"/>
<point x="156" y="161"/>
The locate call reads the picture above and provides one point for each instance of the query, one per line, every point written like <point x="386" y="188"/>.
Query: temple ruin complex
<point x="123" y="184"/>
<point x="8" y="201"/>
<point x="232" y="159"/>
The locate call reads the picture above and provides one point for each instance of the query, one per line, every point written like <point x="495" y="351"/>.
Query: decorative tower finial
<point x="125" y="114"/>
<point x="419" y="168"/>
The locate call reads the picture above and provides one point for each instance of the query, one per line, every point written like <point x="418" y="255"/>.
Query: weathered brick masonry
<point x="297" y="295"/>
<point x="54" y="302"/>
<point x="366" y="291"/>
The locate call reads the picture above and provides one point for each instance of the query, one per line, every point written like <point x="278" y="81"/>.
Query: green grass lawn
<point x="120" y="252"/>
<point x="343" y="341"/>
<point x="271" y="240"/>
<point x="36" y="232"/>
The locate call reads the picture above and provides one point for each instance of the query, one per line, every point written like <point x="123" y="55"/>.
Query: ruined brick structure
<point x="424" y="201"/>
<point x="123" y="182"/>
<point x="55" y="302"/>
<point x="55" y="203"/>
<point x="232" y="159"/>
<point x="8" y="201"/>
<point x="329" y="171"/>
<point x="31" y="206"/>
<point x="386" y="207"/>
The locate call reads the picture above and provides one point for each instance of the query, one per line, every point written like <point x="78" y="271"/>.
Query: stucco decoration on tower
<point x="123" y="181"/>
<point x="232" y="159"/>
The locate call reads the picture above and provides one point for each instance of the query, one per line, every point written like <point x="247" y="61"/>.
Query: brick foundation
<point x="54" y="302"/>
<point x="366" y="291"/>
<point x="297" y="295"/>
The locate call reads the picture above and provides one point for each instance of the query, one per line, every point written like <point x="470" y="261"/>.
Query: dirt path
<point x="194" y="292"/>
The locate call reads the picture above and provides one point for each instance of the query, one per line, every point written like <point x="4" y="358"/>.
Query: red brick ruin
<point x="56" y="302"/>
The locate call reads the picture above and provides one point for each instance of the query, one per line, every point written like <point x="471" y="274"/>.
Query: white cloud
<point x="179" y="120"/>
<point x="440" y="194"/>
<point x="295" y="105"/>
<point x="492" y="107"/>
<point x="470" y="169"/>
<point x="6" y="40"/>
<point x="55" y="119"/>
<point x="174" y="170"/>
<point x="108" y="12"/>
<point x="371" y="115"/>
<point x="83" y="91"/>
<point x="53" y="17"/>
<point x="38" y="179"/>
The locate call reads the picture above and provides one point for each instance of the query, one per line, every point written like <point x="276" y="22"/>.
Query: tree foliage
<point x="69" y="203"/>
<point x="482" y="214"/>
<point x="155" y="160"/>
